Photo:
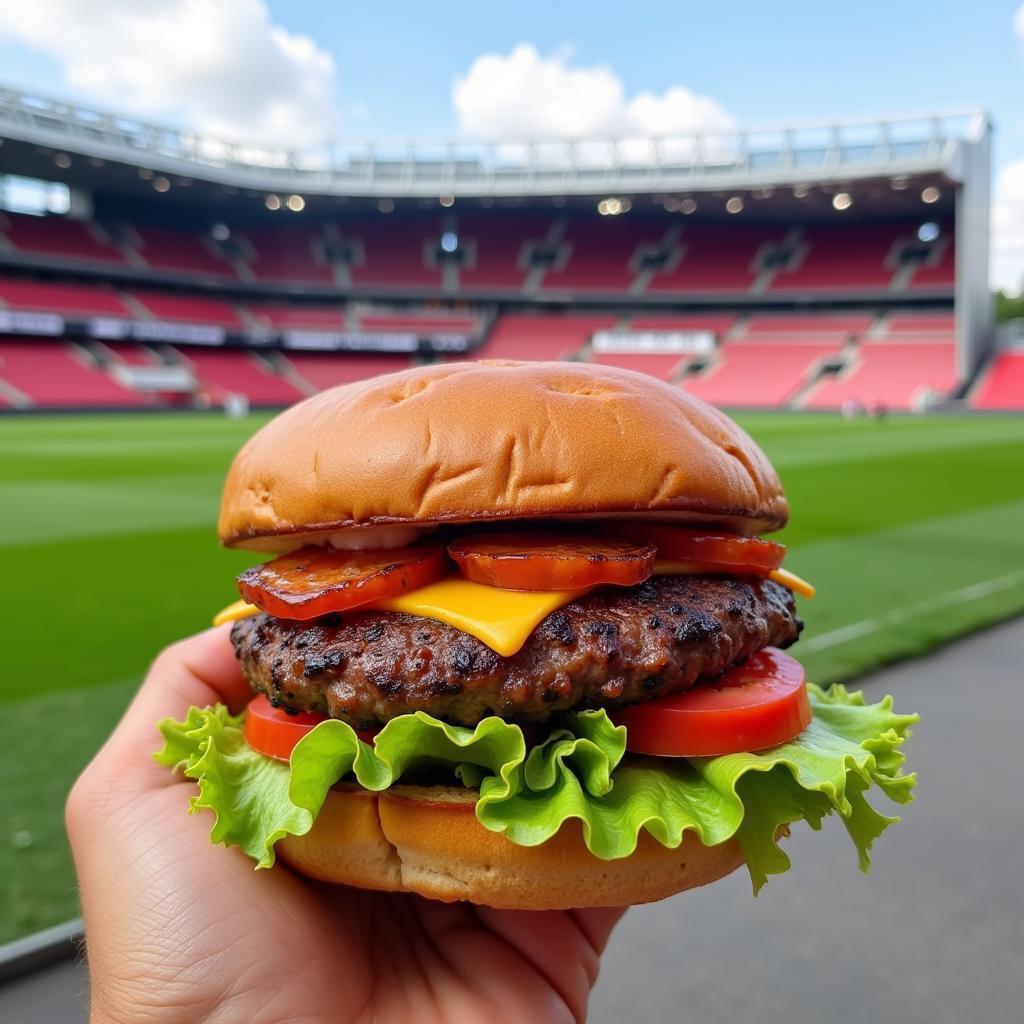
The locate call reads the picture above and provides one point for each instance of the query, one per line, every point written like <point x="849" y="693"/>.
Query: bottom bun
<point x="427" y="840"/>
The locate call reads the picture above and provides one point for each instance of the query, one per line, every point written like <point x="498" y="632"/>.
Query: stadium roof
<point x="40" y="134"/>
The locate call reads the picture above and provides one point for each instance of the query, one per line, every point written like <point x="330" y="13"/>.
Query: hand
<point x="179" y="931"/>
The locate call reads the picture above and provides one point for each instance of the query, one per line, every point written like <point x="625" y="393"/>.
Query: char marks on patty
<point x="615" y="646"/>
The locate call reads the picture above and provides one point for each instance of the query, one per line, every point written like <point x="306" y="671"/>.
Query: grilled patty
<point x="614" y="646"/>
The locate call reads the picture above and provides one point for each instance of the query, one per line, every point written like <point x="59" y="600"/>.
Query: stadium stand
<point x="58" y="297"/>
<point x="130" y="354"/>
<point x="320" y="370"/>
<point x="803" y="326"/>
<point x="761" y="375"/>
<point x="1002" y="385"/>
<point x="231" y="372"/>
<point x="286" y="254"/>
<point x="59" y="237"/>
<point x="893" y="374"/>
<point x="196" y="309"/>
<point x="602" y="254"/>
<point x="715" y="258"/>
<point x="182" y="252"/>
<point x="541" y="335"/>
<point x="306" y="318"/>
<point x="53" y="374"/>
<point x="396" y="251"/>
<point x="498" y="248"/>
<point x="859" y="256"/>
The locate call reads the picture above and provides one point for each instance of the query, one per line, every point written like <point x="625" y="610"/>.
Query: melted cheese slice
<point x="502" y="619"/>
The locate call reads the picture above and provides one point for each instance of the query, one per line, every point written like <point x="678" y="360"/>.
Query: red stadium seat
<point x="55" y="297"/>
<point x="1002" y="386"/>
<point x="891" y="373"/>
<point x="498" y="243"/>
<point x="663" y="365"/>
<point x="131" y="354"/>
<point x="396" y="251"/>
<point x="421" y="323"/>
<point x="713" y="323"/>
<point x="839" y="259"/>
<point x="601" y="253"/>
<point x="762" y="375"/>
<point x="326" y="370"/>
<point x="196" y="309"/>
<point x="540" y="336"/>
<point x="288" y="253"/>
<point x="52" y="374"/>
<point x="820" y="326"/>
<point x="181" y="251"/>
<point x="716" y="258"/>
<point x="59" y="237"/>
<point x="301" y="318"/>
<point x="223" y="372"/>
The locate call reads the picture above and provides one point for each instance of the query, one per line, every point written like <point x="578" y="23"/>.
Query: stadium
<point x="162" y="292"/>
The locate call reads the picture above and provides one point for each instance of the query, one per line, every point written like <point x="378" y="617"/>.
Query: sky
<point x="302" y="71"/>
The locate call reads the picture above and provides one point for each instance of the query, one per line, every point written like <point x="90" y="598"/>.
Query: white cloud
<point x="223" y="65"/>
<point x="525" y="95"/>
<point x="1018" y="23"/>
<point x="1008" y="229"/>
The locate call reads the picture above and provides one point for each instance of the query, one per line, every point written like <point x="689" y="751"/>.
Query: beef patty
<point x="614" y="646"/>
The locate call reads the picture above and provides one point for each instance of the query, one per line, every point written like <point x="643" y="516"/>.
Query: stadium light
<point x="899" y="184"/>
<point x="161" y="184"/>
<point x="613" y="206"/>
<point x="734" y="204"/>
<point x="296" y="204"/>
<point x="385" y="205"/>
<point x="688" y="206"/>
<point x="930" y="194"/>
<point x="801" y="191"/>
<point x="220" y="232"/>
<point x="449" y="241"/>
<point x="145" y="174"/>
<point x="62" y="160"/>
<point x="671" y="204"/>
<point x="447" y="201"/>
<point x="272" y="202"/>
<point x="928" y="231"/>
<point x="842" y="201"/>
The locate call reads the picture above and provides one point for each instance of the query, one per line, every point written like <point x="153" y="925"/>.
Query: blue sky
<point x="301" y="69"/>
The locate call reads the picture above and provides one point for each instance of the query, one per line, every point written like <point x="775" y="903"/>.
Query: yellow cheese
<point x="794" y="582"/>
<point x="235" y="610"/>
<point x="502" y="619"/>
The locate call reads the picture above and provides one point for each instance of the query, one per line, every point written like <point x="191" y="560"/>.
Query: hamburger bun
<point x="427" y="840"/>
<point x="476" y="442"/>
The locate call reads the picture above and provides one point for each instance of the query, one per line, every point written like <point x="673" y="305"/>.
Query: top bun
<point x="495" y="440"/>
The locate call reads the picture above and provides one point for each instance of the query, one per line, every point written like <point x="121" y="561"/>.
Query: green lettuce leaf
<point x="579" y="771"/>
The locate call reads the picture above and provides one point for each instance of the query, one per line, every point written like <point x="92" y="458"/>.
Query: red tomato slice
<point x="683" y="544"/>
<point x="274" y="732"/>
<point x="754" y="707"/>
<point x="548" y="560"/>
<point x="316" y="581"/>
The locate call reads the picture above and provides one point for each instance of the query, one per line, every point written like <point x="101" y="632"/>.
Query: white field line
<point x="898" y="616"/>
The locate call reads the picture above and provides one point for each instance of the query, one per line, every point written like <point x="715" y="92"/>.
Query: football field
<point x="911" y="528"/>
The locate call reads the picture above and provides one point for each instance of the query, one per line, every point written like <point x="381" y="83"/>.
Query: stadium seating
<point x="919" y="326"/>
<point x="498" y="248"/>
<point x="541" y="335"/>
<point x="715" y="323"/>
<point x="130" y="354"/>
<point x="195" y="309"/>
<point x="396" y="251"/>
<point x="58" y="237"/>
<point x="179" y="251"/>
<point x="663" y="365"/>
<point x="893" y="374"/>
<point x="716" y="258"/>
<point x="804" y="326"/>
<point x="287" y="253"/>
<point x="327" y="369"/>
<point x="601" y="254"/>
<point x="759" y="375"/>
<point x="50" y="374"/>
<point x="281" y="317"/>
<point x="853" y="257"/>
<point x="224" y="372"/>
<point x="942" y="275"/>
<point x="420" y="323"/>
<point x="1002" y="385"/>
<point x="57" y="297"/>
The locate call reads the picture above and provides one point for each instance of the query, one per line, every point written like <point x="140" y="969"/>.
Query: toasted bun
<point x="427" y="840"/>
<point x="465" y="442"/>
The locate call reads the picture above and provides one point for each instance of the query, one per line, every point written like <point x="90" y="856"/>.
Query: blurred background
<point x="811" y="222"/>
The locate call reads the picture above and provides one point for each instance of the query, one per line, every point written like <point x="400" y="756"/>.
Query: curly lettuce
<point x="581" y="770"/>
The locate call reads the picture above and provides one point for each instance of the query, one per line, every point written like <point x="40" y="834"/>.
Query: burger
<point x="520" y="641"/>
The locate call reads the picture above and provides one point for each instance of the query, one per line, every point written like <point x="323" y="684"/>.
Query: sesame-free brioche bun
<point x="427" y="840"/>
<point x="494" y="440"/>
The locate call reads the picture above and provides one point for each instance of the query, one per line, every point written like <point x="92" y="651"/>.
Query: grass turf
<point x="910" y="528"/>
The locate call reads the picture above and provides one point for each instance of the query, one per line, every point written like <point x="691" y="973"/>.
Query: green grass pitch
<point x="910" y="528"/>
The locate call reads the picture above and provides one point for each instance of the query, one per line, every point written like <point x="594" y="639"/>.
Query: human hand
<point x="179" y="931"/>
